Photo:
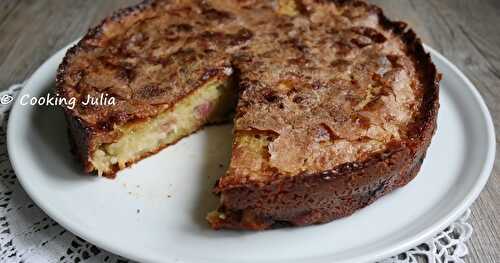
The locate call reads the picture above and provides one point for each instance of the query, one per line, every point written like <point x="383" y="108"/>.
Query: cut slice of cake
<point x="335" y="105"/>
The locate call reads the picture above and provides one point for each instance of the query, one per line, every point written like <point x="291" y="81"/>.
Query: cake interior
<point x="211" y="103"/>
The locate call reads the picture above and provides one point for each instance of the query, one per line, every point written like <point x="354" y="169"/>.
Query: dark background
<point x="467" y="32"/>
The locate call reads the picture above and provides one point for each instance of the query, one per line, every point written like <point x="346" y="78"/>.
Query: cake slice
<point x="335" y="105"/>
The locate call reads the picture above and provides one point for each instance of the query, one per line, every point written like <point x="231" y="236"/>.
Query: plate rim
<point x="389" y="250"/>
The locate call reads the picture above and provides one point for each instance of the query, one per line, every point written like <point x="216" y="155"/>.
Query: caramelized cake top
<point x="322" y="82"/>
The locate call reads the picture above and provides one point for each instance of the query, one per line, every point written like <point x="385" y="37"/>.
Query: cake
<point x="333" y="104"/>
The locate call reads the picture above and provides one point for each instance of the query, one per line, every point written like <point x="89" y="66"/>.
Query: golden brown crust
<point x="322" y="78"/>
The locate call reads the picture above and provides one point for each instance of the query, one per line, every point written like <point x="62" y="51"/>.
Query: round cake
<point x="333" y="104"/>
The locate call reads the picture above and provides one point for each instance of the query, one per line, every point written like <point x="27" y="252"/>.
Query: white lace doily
<point x="28" y="235"/>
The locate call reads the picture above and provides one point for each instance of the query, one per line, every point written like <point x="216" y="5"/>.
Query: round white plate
<point x="154" y="212"/>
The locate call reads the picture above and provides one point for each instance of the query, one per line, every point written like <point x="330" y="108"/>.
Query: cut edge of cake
<point x="211" y="103"/>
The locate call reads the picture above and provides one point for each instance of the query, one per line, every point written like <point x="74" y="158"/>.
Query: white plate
<point x="155" y="211"/>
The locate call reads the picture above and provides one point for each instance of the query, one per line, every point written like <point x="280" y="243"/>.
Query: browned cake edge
<point x="307" y="199"/>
